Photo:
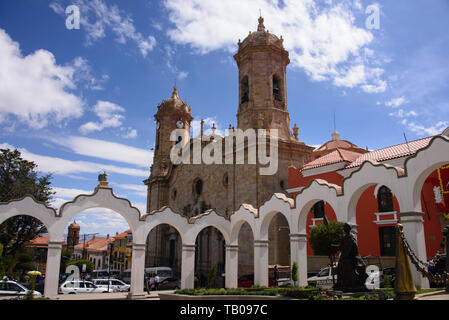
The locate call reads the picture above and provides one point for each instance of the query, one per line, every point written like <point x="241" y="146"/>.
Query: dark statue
<point x="351" y="275"/>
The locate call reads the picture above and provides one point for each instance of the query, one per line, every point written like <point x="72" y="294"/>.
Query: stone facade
<point x="192" y="189"/>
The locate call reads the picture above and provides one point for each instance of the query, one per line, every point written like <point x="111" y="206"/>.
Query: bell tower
<point x="173" y="113"/>
<point x="262" y="62"/>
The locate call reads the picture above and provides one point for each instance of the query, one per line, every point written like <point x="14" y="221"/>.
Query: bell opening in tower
<point x="245" y="90"/>
<point x="276" y="89"/>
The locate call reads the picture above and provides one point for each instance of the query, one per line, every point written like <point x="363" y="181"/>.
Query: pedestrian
<point x="156" y="282"/>
<point x="148" y="284"/>
<point x="276" y="273"/>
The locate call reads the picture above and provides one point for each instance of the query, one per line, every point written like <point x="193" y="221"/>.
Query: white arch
<point x="368" y="175"/>
<point x="278" y="203"/>
<point x="208" y="219"/>
<point x="30" y="207"/>
<point x="101" y="198"/>
<point x="246" y="213"/>
<point x="421" y="165"/>
<point x="316" y="191"/>
<point x="163" y="216"/>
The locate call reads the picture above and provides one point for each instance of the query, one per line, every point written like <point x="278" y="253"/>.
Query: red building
<point x="377" y="208"/>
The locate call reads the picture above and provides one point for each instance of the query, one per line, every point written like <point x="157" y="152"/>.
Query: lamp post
<point x="110" y="247"/>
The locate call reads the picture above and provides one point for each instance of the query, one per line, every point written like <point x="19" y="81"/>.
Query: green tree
<point x="212" y="275"/>
<point x="24" y="263"/>
<point x="19" y="178"/>
<point x="295" y="272"/>
<point x="325" y="240"/>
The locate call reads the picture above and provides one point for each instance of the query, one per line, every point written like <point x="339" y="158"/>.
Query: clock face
<point x="180" y="124"/>
<point x="158" y="124"/>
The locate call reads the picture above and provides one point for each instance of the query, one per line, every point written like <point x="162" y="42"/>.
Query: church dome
<point x="174" y="103"/>
<point x="261" y="38"/>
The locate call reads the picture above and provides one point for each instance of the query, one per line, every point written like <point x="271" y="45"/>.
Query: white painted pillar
<point x="137" y="270"/>
<point x="52" y="268"/>
<point x="298" y="253"/>
<point x="413" y="227"/>
<point x="261" y="263"/>
<point x="232" y="266"/>
<point x="188" y="266"/>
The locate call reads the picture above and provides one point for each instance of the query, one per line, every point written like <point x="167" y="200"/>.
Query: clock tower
<point x="173" y="113"/>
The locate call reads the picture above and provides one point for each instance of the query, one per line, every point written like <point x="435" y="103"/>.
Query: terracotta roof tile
<point x="99" y="244"/>
<point x="396" y="151"/>
<point x="40" y="241"/>
<point x="339" y="155"/>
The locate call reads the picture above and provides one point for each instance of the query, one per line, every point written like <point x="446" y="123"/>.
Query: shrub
<point x="295" y="272"/>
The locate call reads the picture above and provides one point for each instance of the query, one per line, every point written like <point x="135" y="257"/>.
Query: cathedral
<point x="192" y="189"/>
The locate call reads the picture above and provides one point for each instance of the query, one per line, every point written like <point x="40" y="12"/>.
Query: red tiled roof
<point x="338" y="144"/>
<point x="339" y="155"/>
<point x="99" y="244"/>
<point x="40" y="241"/>
<point x="396" y="151"/>
<point x="123" y="234"/>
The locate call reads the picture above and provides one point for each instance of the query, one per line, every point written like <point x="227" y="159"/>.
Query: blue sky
<point x="79" y="101"/>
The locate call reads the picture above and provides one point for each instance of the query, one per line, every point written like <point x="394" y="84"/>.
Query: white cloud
<point x="69" y="193"/>
<point x="170" y="52"/>
<point x="97" y="17"/>
<point x="403" y="114"/>
<point x="109" y="114"/>
<point x="323" y="40"/>
<point x="34" y="88"/>
<point x="101" y="220"/>
<point x="394" y="103"/>
<point x="83" y="72"/>
<point x="66" y="167"/>
<point x="131" y="133"/>
<point x="429" y="130"/>
<point x="140" y="190"/>
<point x="107" y="150"/>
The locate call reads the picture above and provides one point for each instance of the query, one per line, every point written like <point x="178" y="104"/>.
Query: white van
<point x="162" y="272"/>
<point x="115" y="284"/>
<point x="81" y="286"/>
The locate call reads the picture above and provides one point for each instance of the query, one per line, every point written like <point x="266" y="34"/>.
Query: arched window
<point x="245" y="90"/>
<point x="318" y="210"/>
<point x="277" y="95"/>
<point x="385" y="199"/>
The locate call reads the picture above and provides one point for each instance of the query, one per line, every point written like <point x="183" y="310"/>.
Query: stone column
<point x="188" y="266"/>
<point x="298" y="253"/>
<point x="137" y="270"/>
<point x="414" y="233"/>
<point x="232" y="266"/>
<point x="52" y="268"/>
<point x="261" y="263"/>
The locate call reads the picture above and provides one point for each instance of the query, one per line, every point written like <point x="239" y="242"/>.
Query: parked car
<point x="285" y="283"/>
<point x="247" y="281"/>
<point x="168" y="284"/>
<point x="323" y="279"/>
<point x="115" y="284"/>
<point x="81" y="286"/>
<point x="12" y="288"/>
